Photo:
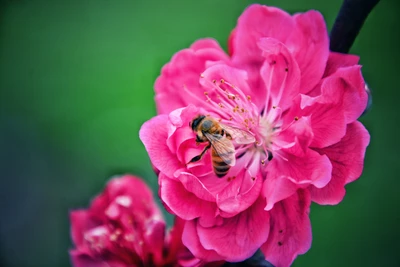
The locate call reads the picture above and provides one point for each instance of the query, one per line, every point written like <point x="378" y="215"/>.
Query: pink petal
<point x="154" y="134"/>
<point x="298" y="133"/>
<point x="280" y="73"/>
<point x="195" y="186"/>
<point x="312" y="168"/>
<point x="346" y="88"/>
<point x="80" y="259"/>
<point x="355" y="97"/>
<point x="290" y="233"/>
<point x="191" y="240"/>
<point x="239" y="237"/>
<point x="258" y="21"/>
<point x="347" y="159"/>
<point x="277" y="188"/>
<point x="154" y="240"/>
<point x="328" y="125"/>
<point x="178" y="85"/>
<point x="232" y="201"/>
<point x="338" y="60"/>
<point x="183" y="203"/>
<point x="206" y="43"/>
<point x="80" y="223"/>
<point x="309" y="44"/>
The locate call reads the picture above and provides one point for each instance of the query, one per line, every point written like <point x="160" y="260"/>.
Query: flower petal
<point x="178" y="85"/>
<point x="154" y="134"/>
<point x="183" y="203"/>
<point x="338" y="60"/>
<point x="280" y="73"/>
<point x="312" y="168"/>
<point x="239" y="237"/>
<point x="290" y="233"/>
<point x="277" y="188"/>
<point x="309" y="44"/>
<point x="347" y="159"/>
<point x="346" y="88"/>
<point x="80" y="223"/>
<point x="258" y="21"/>
<point x="232" y="201"/>
<point x="80" y="259"/>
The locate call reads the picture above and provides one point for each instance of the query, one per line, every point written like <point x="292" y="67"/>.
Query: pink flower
<point x="124" y="227"/>
<point x="297" y="101"/>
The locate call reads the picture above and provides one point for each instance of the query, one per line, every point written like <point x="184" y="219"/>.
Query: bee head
<point x="196" y="121"/>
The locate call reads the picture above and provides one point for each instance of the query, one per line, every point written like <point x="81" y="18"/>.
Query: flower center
<point x="235" y="109"/>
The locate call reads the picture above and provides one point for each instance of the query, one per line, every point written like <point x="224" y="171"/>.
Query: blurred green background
<point x="76" y="83"/>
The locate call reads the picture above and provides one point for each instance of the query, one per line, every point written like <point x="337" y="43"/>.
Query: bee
<point x="219" y="138"/>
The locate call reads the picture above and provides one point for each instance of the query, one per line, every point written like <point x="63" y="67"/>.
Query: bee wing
<point x="223" y="146"/>
<point x="240" y="136"/>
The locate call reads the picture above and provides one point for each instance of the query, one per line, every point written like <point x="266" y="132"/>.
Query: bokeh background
<point x="76" y="83"/>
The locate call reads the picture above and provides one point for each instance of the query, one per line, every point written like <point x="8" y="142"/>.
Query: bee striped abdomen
<point x="221" y="168"/>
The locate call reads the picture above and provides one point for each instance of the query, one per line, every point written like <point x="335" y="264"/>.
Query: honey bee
<point x="219" y="138"/>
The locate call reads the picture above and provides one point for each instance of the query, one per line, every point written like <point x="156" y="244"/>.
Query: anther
<point x="262" y="162"/>
<point x="296" y="118"/>
<point x="222" y="81"/>
<point x="274" y="107"/>
<point x="214" y="81"/>
<point x="248" y="97"/>
<point x="205" y="93"/>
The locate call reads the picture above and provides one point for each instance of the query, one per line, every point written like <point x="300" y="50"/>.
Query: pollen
<point x="263" y="161"/>
<point x="222" y="81"/>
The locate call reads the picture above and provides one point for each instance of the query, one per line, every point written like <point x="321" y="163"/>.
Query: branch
<point x="348" y="23"/>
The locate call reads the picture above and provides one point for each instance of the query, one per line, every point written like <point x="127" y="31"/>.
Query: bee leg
<point x="198" y="157"/>
<point x="199" y="140"/>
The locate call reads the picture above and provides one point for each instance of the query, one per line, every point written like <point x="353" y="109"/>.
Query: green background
<point x="76" y="83"/>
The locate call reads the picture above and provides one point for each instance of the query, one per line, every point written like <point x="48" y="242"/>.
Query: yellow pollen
<point x="222" y="80"/>
<point x="262" y="162"/>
